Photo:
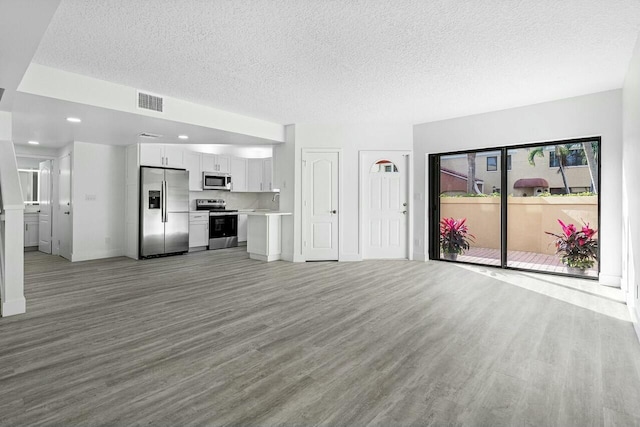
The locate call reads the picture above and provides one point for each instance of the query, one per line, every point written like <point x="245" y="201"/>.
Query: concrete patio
<point x="520" y="259"/>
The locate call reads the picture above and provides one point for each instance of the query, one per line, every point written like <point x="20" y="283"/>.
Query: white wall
<point x="631" y="183"/>
<point x="6" y="133"/>
<point x="55" y="83"/>
<point x="249" y="152"/>
<point x="98" y="189"/>
<point x="284" y="168"/>
<point x="598" y="114"/>
<point x="351" y="138"/>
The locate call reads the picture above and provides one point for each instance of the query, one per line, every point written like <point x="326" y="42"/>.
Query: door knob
<point x="404" y="212"/>
<point x="404" y="204"/>
<point x="67" y="213"/>
<point x="334" y="211"/>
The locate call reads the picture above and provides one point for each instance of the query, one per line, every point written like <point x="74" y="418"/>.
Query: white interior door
<point x="320" y="205"/>
<point x="45" y="215"/>
<point x="384" y="203"/>
<point x="64" y="207"/>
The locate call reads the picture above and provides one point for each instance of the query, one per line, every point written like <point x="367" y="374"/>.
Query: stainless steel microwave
<point x="216" y="181"/>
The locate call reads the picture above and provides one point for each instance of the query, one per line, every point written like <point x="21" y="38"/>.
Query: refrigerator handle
<point x="164" y="201"/>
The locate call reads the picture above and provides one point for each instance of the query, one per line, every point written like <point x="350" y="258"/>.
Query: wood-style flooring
<point x="214" y="338"/>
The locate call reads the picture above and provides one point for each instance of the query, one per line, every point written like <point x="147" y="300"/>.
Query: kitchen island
<point x="264" y="242"/>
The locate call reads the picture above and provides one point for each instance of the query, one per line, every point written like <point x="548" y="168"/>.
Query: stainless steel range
<point x="223" y="223"/>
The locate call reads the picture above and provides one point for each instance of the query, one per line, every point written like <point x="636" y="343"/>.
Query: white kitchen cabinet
<point x="31" y="230"/>
<point x="198" y="230"/>
<point x="224" y="163"/>
<point x="238" y="174"/>
<point x="254" y="175"/>
<point x="174" y="156"/>
<point x="260" y="175"/>
<point x="152" y="154"/>
<point x="208" y="162"/>
<point x="192" y="163"/>
<point x="264" y="242"/>
<point x="166" y="155"/>
<point x="242" y="227"/>
<point x="267" y="174"/>
<point x="216" y="163"/>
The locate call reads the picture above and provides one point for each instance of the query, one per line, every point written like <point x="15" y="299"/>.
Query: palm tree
<point x="561" y="152"/>
<point x="590" y="149"/>
<point x="472" y="186"/>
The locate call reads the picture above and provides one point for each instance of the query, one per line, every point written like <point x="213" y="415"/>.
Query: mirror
<point x="30" y="188"/>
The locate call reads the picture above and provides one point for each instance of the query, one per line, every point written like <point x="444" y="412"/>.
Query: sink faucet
<point x="275" y="196"/>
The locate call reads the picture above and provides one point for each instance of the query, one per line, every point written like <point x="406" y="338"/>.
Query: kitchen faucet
<point x="275" y="196"/>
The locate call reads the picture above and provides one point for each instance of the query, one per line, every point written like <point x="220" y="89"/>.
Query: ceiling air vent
<point x="149" y="135"/>
<point x="146" y="101"/>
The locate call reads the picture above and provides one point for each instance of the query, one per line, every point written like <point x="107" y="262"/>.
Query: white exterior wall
<point x="598" y="114"/>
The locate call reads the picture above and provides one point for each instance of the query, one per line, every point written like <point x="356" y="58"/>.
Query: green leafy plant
<point x="454" y="236"/>
<point x="577" y="248"/>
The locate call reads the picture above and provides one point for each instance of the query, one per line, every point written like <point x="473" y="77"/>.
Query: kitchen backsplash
<point x="236" y="200"/>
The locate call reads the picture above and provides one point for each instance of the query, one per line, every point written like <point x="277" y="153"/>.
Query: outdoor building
<point x="525" y="179"/>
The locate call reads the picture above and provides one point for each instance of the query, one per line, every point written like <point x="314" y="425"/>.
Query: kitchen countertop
<point x="258" y="212"/>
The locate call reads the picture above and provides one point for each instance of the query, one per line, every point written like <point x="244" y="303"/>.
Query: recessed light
<point x="183" y="136"/>
<point x="33" y="142"/>
<point x="73" y="119"/>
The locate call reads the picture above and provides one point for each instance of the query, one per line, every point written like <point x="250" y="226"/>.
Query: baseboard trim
<point x="419" y="256"/>
<point x="287" y="257"/>
<point x="264" y="258"/>
<point x="98" y="255"/>
<point x="349" y="258"/>
<point x="609" y="280"/>
<point x="13" y="307"/>
<point x="634" y="320"/>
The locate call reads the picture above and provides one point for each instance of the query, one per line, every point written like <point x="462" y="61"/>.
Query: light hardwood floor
<point x="213" y="338"/>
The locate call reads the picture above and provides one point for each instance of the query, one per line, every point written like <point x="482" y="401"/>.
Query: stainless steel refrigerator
<point x="164" y="211"/>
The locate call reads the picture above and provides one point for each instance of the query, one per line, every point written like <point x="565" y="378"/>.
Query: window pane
<point x="492" y="163"/>
<point x="470" y="208"/>
<point x="540" y="195"/>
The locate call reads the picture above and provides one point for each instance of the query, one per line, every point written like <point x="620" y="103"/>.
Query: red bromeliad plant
<point x="454" y="236"/>
<point x="578" y="248"/>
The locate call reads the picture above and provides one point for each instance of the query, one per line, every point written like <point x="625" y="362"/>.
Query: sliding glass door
<point x="553" y="196"/>
<point x="470" y="206"/>
<point x="532" y="207"/>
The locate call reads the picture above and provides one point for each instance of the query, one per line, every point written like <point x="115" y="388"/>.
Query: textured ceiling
<point x="296" y="61"/>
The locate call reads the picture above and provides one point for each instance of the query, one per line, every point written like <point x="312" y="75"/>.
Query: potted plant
<point x="577" y="248"/>
<point x="454" y="237"/>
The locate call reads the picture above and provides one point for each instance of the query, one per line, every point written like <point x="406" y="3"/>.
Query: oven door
<point x="223" y="231"/>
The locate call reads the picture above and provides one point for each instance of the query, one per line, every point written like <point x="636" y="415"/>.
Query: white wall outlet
<point x="417" y="196"/>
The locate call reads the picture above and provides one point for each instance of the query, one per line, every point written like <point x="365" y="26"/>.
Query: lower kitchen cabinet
<point x="242" y="228"/>
<point x="198" y="230"/>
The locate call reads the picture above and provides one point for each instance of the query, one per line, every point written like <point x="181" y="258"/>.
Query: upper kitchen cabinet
<point x="267" y="174"/>
<point x="192" y="163"/>
<point x="238" y="174"/>
<point x="254" y="175"/>
<point x="215" y="163"/>
<point x="259" y="175"/>
<point x="168" y="155"/>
